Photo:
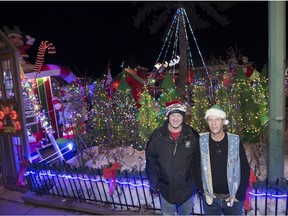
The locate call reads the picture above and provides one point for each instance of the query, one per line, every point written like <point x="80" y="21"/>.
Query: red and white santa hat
<point x="217" y="111"/>
<point x="175" y="106"/>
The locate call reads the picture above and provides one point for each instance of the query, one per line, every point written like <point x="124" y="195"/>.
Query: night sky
<point x="89" y="34"/>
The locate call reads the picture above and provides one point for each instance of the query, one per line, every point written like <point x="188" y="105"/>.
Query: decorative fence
<point x="130" y="191"/>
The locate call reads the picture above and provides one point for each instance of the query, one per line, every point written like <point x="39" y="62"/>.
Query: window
<point x="8" y="80"/>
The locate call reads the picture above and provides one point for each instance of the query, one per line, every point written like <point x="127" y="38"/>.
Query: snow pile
<point x="129" y="158"/>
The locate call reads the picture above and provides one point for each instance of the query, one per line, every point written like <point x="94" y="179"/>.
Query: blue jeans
<point x="219" y="206"/>
<point x="170" y="209"/>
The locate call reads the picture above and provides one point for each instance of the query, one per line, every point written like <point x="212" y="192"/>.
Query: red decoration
<point x="110" y="173"/>
<point x="249" y="71"/>
<point x="6" y="110"/>
<point x="41" y="52"/>
<point x="190" y="75"/>
<point x="227" y="80"/>
<point x="173" y="102"/>
<point x="247" y="201"/>
<point x="17" y="125"/>
<point x="23" y="167"/>
<point x="13" y="114"/>
<point x="2" y="115"/>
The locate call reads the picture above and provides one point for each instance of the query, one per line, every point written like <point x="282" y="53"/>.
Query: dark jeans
<point x="170" y="209"/>
<point x="219" y="207"/>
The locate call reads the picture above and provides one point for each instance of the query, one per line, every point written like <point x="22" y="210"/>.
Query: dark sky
<point x="88" y="34"/>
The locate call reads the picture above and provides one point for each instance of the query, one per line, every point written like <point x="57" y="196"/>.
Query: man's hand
<point x="228" y="201"/>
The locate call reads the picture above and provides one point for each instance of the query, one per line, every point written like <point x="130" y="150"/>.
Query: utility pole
<point x="276" y="75"/>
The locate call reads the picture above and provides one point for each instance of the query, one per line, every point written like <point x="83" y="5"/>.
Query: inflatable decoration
<point x="22" y="43"/>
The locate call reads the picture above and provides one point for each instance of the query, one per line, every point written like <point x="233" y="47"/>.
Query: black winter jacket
<point x="171" y="165"/>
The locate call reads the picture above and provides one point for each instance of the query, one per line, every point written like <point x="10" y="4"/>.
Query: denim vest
<point x="233" y="167"/>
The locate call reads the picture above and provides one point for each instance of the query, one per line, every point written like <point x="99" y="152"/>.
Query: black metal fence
<point x="129" y="191"/>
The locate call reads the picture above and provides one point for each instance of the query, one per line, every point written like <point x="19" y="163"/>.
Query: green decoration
<point x="264" y="72"/>
<point x="241" y="74"/>
<point x="147" y="116"/>
<point x="168" y="83"/>
<point x="198" y="110"/>
<point x="123" y="84"/>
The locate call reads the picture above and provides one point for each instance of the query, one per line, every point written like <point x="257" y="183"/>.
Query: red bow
<point x="247" y="201"/>
<point x="110" y="173"/>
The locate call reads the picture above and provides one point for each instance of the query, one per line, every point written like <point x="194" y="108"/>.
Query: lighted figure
<point x="22" y="42"/>
<point x="227" y="80"/>
<point x="161" y="67"/>
<point x="69" y="110"/>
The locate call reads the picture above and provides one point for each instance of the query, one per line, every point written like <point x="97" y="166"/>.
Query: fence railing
<point x="128" y="191"/>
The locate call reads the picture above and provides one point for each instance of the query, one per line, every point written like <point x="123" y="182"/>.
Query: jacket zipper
<point x="175" y="149"/>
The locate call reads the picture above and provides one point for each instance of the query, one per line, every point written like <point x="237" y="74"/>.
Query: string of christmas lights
<point x="28" y="91"/>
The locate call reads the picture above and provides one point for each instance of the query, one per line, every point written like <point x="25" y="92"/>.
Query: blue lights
<point x="86" y="179"/>
<point x="70" y="146"/>
<point x="124" y="183"/>
<point x="268" y="195"/>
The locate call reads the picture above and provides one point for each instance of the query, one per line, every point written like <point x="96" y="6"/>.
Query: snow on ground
<point x="129" y="158"/>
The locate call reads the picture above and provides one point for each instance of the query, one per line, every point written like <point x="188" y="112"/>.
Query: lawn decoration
<point x="22" y="42"/>
<point x="247" y="201"/>
<point x="72" y="108"/>
<point x="41" y="52"/>
<point x="110" y="174"/>
<point x="171" y="50"/>
<point x="23" y="166"/>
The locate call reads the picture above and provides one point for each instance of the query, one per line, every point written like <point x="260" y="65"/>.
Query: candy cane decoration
<point x="41" y="52"/>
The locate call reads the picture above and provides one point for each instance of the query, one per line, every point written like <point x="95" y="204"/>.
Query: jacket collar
<point x="165" y="131"/>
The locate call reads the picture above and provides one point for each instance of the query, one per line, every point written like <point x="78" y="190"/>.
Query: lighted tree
<point x="244" y="103"/>
<point x="147" y="116"/>
<point x="168" y="93"/>
<point x="259" y="93"/>
<point x="213" y="11"/>
<point x="200" y="105"/>
<point x="99" y="117"/>
<point x="125" y="129"/>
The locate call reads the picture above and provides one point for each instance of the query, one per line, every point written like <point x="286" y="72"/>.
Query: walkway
<point x="12" y="203"/>
<point x="28" y="203"/>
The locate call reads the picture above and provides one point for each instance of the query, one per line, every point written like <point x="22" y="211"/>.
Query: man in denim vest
<point x="224" y="167"/>
<point x="172" y="157"/>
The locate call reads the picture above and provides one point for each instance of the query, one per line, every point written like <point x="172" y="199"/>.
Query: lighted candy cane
<point x="41" y="52"/>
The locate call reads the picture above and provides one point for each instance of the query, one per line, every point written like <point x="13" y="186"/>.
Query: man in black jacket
<point x="172" y="161"/>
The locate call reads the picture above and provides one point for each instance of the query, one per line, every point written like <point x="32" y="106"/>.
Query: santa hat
<point x="216" y="111"/>
<point x="175" y="106"/>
